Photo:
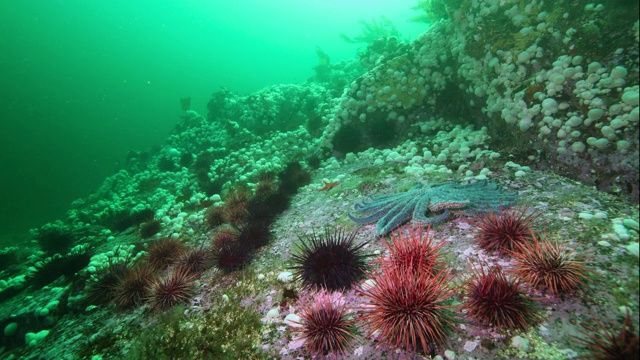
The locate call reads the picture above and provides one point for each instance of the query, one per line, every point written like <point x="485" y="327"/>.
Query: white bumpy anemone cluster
<point x="514" y="62"/>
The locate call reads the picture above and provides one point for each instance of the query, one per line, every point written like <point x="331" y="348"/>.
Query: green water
<point x="84" y="82"/>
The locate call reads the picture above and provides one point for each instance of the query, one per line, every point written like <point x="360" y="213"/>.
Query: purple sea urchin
<point x="332" y="261"/>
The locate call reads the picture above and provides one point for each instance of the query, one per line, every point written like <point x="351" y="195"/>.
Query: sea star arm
<point x="433" y="219"/>
<point x="375" y="214"/>
<point x="424" y="202"/>
<point x="481" y="195"/>
<point x="377" y="202"/>
<point x="491" y="198"/>
<point x="372" y="205"/>
<point x="493" y="204"/>
<point x="426" y="205"/>
<point x="397" y="216"/>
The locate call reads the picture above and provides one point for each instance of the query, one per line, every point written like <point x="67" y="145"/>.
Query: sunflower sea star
<point x="423" y="202"/>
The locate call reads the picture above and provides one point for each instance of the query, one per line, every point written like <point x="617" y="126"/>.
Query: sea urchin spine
<point x="333" y="261"/>
<point x="606" y="342"/>
<point x="502" y="231"/>
<point x="133" y="287"/>
<point x="496" y="300"/>
<point x="162" y="253"/>
<point x="171" y="289"/>
<point x="325" y="326"/>
<point x="415" y="249"/>
<point x="409" y="310"/>
<point x="543" y="263"/>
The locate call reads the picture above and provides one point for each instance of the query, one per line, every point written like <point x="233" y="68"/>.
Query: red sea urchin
<point x="502" y="231"/>
<point x="55" y="239"/>
<point x="196" y="260"/>
<point x="232" y="256"/>
<point x="293" y="176"/>
<point x="103" y="285"/>
<point x="409" y="310"/>
<point x="149" y="228"/>
<point x="325" y="326"/>
<point x="493" y="299"/>
<point x="551" y="265"/>
<point x="224" y="236"/>
<point x="162" y="253"/>
<point x="228" y="252"/>
<point x="605" y="343"/>
<point x="214" y="217"/>
<point x="416" y="249"/>
<point x="235" y="208"/>
<point x="133" y="287"/>
<point x="333" y="261"/>
<point x="172" y="289"/>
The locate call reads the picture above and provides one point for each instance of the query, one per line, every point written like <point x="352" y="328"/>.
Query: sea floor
<point x="233" y="313"/>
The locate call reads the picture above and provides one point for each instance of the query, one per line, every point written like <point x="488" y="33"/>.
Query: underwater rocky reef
<point x="471" y="194"/>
